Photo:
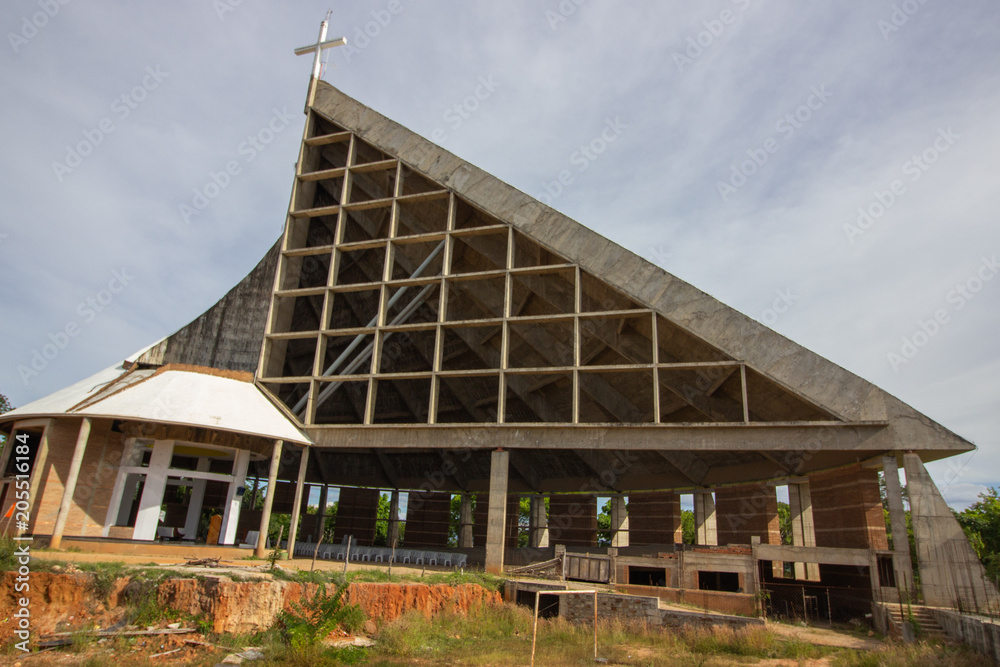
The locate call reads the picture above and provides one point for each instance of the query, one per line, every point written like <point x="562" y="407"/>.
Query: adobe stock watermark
<point x="899" y="17"/>
<point x="248" y="149"/>
<point x="786" y="127"/>
<point x="956" y="299"/>
<point x="565" y="9"/>
<point x="462" y="111"/>
<point x="705" y="39"/>
<point x="31" y="25"/>
<point x="362" y="37"/>
<point x="914" y="168"/>
<point x="87" y="311"/>
<point x="121" y="109"/>
<point x="582" y="158"/>
<point x="223" y="7"/>
<point x="784" y="301"/>
<point x="659" y="254"/>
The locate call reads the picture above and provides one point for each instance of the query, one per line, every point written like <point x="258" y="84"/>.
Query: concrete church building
<point x="422" y="328"/>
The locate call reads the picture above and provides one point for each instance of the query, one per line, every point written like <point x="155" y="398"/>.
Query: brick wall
<point x="427" y="519"/>
<point x="356" y="514"/>
<point x="654" y="518"/>
<point x="573" y="520"/>
<point x="94" y="486"/>
<point x="745" y="511"/>
<point x="847" y="509"/>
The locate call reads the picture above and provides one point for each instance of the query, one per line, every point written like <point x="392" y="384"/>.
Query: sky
<point x="826" y="168"/>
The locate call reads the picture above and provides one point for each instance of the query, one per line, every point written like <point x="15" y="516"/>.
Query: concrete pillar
<point x="392" y="530"/>
<point x="497" y="521"/>
<point x="654" y="518"/>
<point x="148" y="517"/>
<point x="803" y="530"/>
<point x="619" y="522"/>
<point x="465" y="522"/>
<point x="234" y="498"/>
<point x="70" y="488"/>
<point x="538" y="523"/>
<point x="705" y="528"/>
<point x="272" y="485"/>
<point x="197" y="500"/>
<point x="300" y="483"/>
<point x="38" y="472"/>
<point x="320" y="526"/>
<point x="901" y="564"/>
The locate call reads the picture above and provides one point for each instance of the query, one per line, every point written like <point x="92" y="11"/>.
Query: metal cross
<point x="317" y="49"/>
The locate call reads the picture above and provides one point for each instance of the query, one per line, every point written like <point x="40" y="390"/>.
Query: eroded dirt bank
<point x="60" y="602"/>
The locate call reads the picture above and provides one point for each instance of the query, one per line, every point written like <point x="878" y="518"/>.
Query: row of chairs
<point x="380" y="554"/>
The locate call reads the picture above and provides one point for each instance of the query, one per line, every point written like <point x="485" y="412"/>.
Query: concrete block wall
<point x="654" y="518"/>
<point x="745" y="511"/>
<point x="94" y="486"/>
<point x="580" y="609"/>
<point x="847" y="509"/>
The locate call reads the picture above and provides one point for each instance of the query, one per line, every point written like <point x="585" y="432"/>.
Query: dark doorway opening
<point x="728" y="582"/>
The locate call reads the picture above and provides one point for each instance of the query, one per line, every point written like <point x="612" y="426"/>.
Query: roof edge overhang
<point x="806" y="373"/>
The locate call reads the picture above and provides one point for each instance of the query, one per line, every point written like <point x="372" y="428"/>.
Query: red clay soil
<point x="62" y="602"/>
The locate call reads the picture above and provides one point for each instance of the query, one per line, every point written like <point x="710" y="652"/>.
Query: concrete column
<point x="197" y="500"/>
<point x="619" y="522"/>
<point x="465" y="523"/>
<point x="272" y="484"/>
<point x="803" y="528"/>
<point x="392" y="533"/>
<point x="38" y="468"/>
<point x="320" y="526"/>
<point x="496" y="523"/>
<point x="705" y="529"/>
<point x="539" y="523"/>
<point x="901" y="563"/>
<point x="148" y="517"/>
<point x="70" y="488"/>
<point x="234" y="499"/>
<point x="300" y="483"/>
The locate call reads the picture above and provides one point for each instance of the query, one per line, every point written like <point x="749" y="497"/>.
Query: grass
<point x="905" y="655"/>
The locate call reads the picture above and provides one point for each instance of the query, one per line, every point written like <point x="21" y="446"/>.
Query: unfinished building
<point x="425" y="332"/>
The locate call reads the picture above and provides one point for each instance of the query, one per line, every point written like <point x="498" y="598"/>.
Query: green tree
<point x="604" y="532"/>
<point x="687" y="526"/>
<point x="981" y="523"/>
<point x="785" y="523"/>
<point x="5" y="406"/>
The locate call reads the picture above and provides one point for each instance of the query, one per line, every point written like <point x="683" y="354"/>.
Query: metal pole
<point x="534" y="633"/>
<point x="595" y="626"/>
<point x="347" y="556"/>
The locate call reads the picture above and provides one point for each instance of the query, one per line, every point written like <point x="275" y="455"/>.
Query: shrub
<point x="316" y="617"/>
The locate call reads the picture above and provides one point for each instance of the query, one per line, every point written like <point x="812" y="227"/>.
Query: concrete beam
<point x="756" y="436"/>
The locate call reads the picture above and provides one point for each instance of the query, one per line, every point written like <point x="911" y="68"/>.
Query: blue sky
<point x="826" y="168"/>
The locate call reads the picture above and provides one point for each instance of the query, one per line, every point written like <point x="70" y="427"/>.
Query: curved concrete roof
<point x="187" y="396"/>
